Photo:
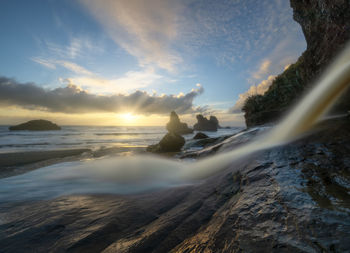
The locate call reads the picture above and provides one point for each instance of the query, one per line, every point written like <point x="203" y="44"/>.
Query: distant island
<point x="36" y="125"/>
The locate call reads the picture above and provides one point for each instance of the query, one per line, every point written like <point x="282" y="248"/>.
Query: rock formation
<point x="171" y="142"/>
<point x="176" y="126"/>
<point x="200" y="135"/>
<point x="326" y="27"/>
<point x="204" y="124"/>
<point x="36" y="125"/>
<point x="291" y="198"/>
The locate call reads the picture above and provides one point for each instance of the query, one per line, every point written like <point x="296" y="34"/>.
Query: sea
<point x="91" y="137"/>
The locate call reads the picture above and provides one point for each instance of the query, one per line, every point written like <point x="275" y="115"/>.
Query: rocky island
<point x="36" y="125"/>
<point x="203" y="124"/>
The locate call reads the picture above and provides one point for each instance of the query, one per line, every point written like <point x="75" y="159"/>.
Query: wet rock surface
<point x="171" y="142"/>
<point x="200" y="135"/>
<point x="293" y="198"/>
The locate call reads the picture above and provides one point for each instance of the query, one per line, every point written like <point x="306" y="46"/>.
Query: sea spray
<point x="146" y="172"/>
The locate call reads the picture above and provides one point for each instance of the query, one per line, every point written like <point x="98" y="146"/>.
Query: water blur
<point x="134" y="174"/>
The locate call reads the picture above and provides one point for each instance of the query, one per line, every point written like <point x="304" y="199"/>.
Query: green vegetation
<point x="283" y="91"/>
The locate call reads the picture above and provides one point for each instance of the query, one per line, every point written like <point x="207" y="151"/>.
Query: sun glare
<point x="128" y="117"/>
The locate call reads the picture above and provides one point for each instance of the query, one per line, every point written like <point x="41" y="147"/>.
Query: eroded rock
<point x="176" y="126"/>
<point x="171" y="142"/>
<point x="203" y="124"/>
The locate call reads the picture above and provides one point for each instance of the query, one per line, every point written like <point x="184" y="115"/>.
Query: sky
<point x="131" y="62"/>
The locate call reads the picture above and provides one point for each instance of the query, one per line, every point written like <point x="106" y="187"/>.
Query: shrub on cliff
<point x="283" y="91"/>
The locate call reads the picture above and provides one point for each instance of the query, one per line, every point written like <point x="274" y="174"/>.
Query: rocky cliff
<point x="326" y="27"/>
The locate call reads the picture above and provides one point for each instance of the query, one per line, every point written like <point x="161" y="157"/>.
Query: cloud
<point x="73" y="99"/>
<point x="263" y="69"/>
<point x="44" y="62"/>
<point x="130" y="81"/>
<point x="75" y="48"/>
<point x="240" y="30"/>
<point x="145" y="29"/>
<point x="74" y="67"/>
<point x="52" y="64"/>
<point x="278" y="60"/>
<point x="261" y="88"/>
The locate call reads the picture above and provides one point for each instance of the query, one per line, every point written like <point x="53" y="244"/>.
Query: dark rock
<point x="36" y="125"/>
<point x="171" y="142"/>
<point x="204" y="124"/>
<point x="200" y="135"/>
<point x="326" y="27"/>
<point x="291" y="198"/>
<point x="176" y="126"/>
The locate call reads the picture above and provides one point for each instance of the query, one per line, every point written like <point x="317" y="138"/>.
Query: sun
<point x="128" y="117"/>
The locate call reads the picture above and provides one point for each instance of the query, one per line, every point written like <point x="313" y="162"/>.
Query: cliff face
<point x="326" y="27"/>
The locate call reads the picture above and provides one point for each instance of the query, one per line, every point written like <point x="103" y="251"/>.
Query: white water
<point x="302" y="118"/>
<point x="141" y="173"/>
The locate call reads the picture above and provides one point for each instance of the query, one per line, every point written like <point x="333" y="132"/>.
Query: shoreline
<point x="16" y="163"/>
<point x="300" y="186"/>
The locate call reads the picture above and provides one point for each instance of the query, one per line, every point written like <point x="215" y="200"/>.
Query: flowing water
<point x="142" y="173"/>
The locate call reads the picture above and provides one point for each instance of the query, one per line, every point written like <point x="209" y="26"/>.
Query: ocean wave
<point x="117" y="134"/>
<point x="24" y="145"/>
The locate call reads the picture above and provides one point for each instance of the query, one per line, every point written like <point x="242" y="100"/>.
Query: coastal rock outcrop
<point x="36" y="125"/>
<point x="176" y="126"/>
<point x="171" y="142"/>
<point x="204" y="124"/>
<point x="326" y="27"/>
<point x="291" y="198"/>
<point x="200" y="135"/>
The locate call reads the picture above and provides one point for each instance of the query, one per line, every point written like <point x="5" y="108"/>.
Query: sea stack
<point x="172" y="141"/>
<point x="204" y="124"/>
<point x="36" y="125"/>
<point x="176" y="126"/>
